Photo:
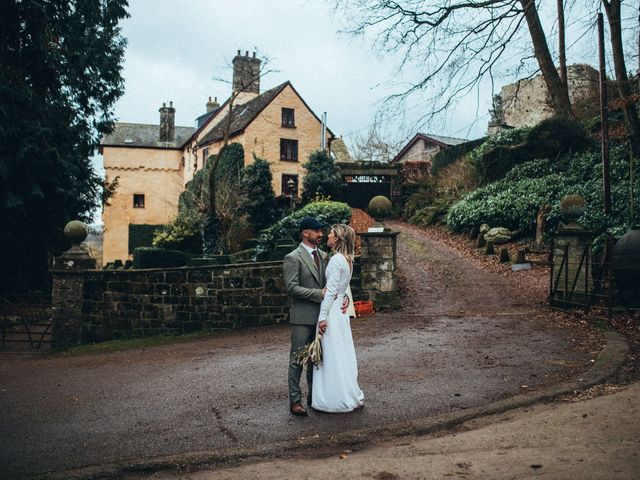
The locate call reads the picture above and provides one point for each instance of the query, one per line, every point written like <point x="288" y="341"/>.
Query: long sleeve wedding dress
<point x="335" y="382"/>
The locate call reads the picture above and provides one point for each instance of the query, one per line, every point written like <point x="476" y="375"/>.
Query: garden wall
<point x="98" y="305"/>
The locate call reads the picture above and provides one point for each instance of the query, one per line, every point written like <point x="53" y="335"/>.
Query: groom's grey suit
<point x="303" y="282"/>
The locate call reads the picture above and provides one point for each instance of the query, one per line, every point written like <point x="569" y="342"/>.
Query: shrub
<point x="151" y="257"/>
<point x="453" y="153"/>
<point x="552" y="138"/>
<point x="287" y="228"/>
<point x="322" y="177"/>
<point x="430" y="203"/>
<point x="513" y="202"/>
<point x="261" y="200"/>
<point x="183" y="233"/>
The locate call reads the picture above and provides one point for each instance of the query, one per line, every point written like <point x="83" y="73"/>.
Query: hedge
<point x="151" y="257"/>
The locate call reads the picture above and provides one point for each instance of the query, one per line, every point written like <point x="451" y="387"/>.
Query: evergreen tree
<point x="60" y="75"/>
<point x="261" y="199"/>
<point x="322" y="177"/>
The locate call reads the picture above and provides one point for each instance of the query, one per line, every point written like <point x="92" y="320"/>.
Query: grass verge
<point x="132" y="343"/>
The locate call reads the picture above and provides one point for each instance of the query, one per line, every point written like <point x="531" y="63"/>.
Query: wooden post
<point x="604" y="117"/>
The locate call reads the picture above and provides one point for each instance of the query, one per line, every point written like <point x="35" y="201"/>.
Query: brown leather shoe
<point x="298" y="409"/>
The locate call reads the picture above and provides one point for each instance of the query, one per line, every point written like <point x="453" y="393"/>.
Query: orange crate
<point x="363" y="308"/>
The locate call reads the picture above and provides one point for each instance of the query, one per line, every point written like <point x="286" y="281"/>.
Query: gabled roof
<point x="144" y="136"/>
<point x="340" y="151"/>
<point x="437" y="139"/>
<point x="244" y="114"/>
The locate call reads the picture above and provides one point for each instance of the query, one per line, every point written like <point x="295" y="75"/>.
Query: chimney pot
<point x="246" y="73"/>
<point x="254" y="54"/>
<point x="167" y="123"/>
<point x="239" y="53"/>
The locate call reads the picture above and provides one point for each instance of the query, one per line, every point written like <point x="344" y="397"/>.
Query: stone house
<point x="524" y="103"/>
<point x="416" y="156"/>
<point x="153" y="163"/>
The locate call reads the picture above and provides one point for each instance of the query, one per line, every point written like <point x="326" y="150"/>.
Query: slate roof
<point x="340" y="151"/>
<point x="142" y="135"/>
<point x="246" y="113"/>
<point x="242" y="115"/>
<point x="438" y="139"/>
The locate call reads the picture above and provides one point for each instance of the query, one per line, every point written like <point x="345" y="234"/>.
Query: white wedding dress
<point x="335" y="382"/>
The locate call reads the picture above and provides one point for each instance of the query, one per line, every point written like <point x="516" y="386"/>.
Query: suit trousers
<point x="301" y="335"/>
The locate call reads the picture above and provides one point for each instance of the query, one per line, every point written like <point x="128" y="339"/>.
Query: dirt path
<point x="463" y="338"/>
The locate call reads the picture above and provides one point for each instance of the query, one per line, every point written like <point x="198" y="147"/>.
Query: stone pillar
<point x="68" y="288"/>
<point x="378" y="265"/>
<point x="572" y="280"/>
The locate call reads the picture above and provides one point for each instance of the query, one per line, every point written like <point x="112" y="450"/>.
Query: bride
<point x="335" y="382"/>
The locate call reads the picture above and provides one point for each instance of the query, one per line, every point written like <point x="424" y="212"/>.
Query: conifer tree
<point x="261" y="199"/>
<point x="60" y="75"/>
<point x="322" y="177"/>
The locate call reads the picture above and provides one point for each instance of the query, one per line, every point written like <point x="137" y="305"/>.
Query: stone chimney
<point x="167" y="123"/>
<point x="212" y="105"/>
<point x="246" y="73"/>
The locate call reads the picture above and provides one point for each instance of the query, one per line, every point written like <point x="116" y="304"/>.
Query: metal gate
<point x="25" y="322"/>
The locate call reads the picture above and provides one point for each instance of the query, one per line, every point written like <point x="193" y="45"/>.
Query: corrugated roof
<point x="142" y="135"/>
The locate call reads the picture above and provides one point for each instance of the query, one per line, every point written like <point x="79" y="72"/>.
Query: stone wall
<point x="100" y="305"/>
<point x="94" y="306"/>
<point x="378" y="266"/>
<point x="525" y="102"/>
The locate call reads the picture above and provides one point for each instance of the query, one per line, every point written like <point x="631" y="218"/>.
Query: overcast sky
<point x="176" y="49"/>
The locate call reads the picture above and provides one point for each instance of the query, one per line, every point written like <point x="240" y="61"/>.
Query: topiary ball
<point x="380" y="207"/>
<point x="75" y="231"/>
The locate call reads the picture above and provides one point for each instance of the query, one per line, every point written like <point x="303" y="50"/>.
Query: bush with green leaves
<point x="152" y="257"/>
<point x="513" y="201"/>
<point x="326" y="212"/>
<point x="257" y="183"/>
<point x="183" y="233"/>
<point x="552" y="138"/>
<point x="322" y="177"/>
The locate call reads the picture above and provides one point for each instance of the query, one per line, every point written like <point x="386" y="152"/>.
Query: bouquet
<point x="311" y="354"/>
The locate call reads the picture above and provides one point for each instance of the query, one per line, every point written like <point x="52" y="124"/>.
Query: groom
<point x="304" y="271"/>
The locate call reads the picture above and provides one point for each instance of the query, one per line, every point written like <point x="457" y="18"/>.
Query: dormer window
<point x="288" y="118"/>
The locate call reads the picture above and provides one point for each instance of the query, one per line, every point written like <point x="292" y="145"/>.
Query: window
<point x="289" y="185"/>
<point x="138" y="200"/>
<point x="288" y="118"/>
<point x="289" y="150"/>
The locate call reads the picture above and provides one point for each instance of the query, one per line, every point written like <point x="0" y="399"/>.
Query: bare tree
<point x="612" y="9"/>
<point x="215" y="224"/>
<point x="459" y="43"/>
<point x="241" y="84"/>
<point x="373" y="146"/>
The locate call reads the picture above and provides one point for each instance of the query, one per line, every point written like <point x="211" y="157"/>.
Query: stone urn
<point x="625" y="260"/>
<point x="380" y="208"/>
<point x="572" y="207"/>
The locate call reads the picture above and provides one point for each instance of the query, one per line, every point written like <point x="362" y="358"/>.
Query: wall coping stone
<point x="270" y="263"/>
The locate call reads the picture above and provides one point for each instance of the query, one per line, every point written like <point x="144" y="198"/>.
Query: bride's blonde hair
<point x="345" y="242"/>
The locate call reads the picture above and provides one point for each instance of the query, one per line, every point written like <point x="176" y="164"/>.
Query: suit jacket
<point x="304" y="283"/>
